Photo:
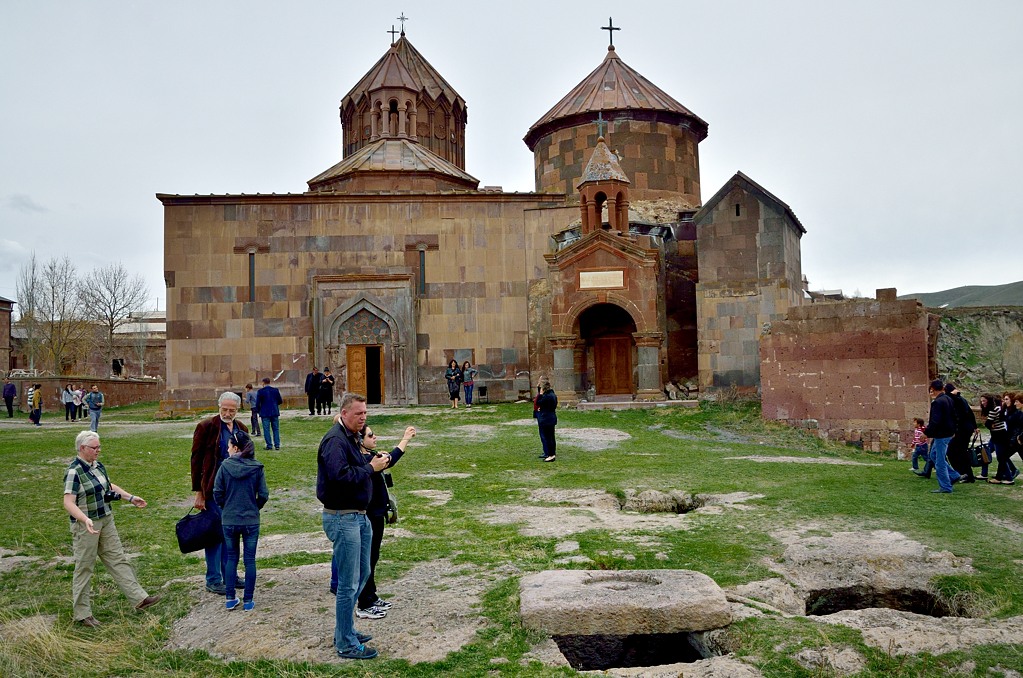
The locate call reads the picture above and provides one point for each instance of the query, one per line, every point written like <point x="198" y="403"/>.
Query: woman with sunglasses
<point x="370" y="605"/>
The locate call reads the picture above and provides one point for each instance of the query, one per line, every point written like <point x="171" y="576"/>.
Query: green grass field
<point x="685" y="449"/>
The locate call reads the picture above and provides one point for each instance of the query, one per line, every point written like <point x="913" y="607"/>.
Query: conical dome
<point x="612" y="87"/>
<point x="654" y="136"/>
<point x="434" y="113"/>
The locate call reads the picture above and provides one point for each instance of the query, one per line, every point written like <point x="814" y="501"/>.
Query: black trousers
<point x="550" y="446"/>
<point x="959" y="456"/>
<point x="368" y="596"/>
<point x="314" y="404"/>
<point x="9" y="401"/>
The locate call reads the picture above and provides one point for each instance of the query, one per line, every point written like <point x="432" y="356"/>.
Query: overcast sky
<point x="891" y="128"/>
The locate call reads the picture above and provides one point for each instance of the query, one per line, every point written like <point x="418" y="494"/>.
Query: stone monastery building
<point x="612" y="275"/>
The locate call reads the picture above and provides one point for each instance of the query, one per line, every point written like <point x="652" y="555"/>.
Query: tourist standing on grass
<point x="88" y="493"/>
<point x="209" y="450"/>
<point x="371" y="605"/>
<point x="312" y="390"/>
<point x="1010" y="414"/>
<point x="941" y="427"/>
<point x="326" y="400"/>
<point x="547" y="419"/>
<point x="919" y="444"/>
<point x="468" y="381"/>
<point x="250" y="400"/>
<point x="344" y="485"/>
<point x="240" y="491"/>
<point x="67" y="397"/>
<point x="966" y="424"/>
<point x="95" y="401"/>
<point x="10" y="393"/>
<point x="79" y="400"/>
<point x="35" y="404"/>
<point x="994" y="421"/>
<point x="1014" y="423"/>
<point x="268" y="402"/>
<point x="453" y="376"/>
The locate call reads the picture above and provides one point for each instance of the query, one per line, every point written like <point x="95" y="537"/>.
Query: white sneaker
<point x="370" y="613"/>
<point x="382" y="604"/>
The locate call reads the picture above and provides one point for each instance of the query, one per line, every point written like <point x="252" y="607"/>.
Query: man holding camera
<point x="88" y="494"/>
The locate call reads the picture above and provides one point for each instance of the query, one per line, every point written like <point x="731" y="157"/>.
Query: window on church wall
<point x="252" y="276"/>
<point x="422" y="271"/>
<point x="738" y="210"/>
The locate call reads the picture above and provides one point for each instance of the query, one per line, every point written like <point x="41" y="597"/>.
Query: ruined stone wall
<point x="855" y="370"/>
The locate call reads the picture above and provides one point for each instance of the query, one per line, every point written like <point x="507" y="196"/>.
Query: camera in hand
<point x="110" y="496"/>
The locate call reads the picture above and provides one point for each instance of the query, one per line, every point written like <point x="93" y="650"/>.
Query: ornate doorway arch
<point x="606" y="334"/>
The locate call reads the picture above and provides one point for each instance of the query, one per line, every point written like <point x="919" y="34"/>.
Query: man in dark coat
<point x="941" y="427"/>
<point x="313" y="380"/>
<point x="209" y="449"/>
<point x="344" y="485"/>
<point x="268" y="404"/>
<point x="966" y="424"/>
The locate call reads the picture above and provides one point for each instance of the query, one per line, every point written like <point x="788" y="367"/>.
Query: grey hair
<point x="348" y="398"/>
<point x="229" y="395"/>
<point x="84" y="437"/>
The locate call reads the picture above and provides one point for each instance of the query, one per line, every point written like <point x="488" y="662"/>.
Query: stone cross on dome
<point x="600" y="124"/>
<point x="610" y="28"/>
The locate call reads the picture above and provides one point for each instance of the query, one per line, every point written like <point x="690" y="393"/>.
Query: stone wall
<point x="852" y="370"/>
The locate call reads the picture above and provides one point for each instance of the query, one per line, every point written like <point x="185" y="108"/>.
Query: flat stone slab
<point x="589" y="602"/>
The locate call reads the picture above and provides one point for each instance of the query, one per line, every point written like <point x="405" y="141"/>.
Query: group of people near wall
<point x="319" y="391"/>
<point x="460" y="379"/>
<point x="75" y="400"/>
<point x="944" y="441"/>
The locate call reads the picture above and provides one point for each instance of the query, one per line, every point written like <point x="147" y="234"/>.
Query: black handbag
<point x="199" y="531"/>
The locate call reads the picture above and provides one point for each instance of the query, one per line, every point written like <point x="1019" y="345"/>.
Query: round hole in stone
<point x="918" y="601"/>
<point x="605" y="651"/>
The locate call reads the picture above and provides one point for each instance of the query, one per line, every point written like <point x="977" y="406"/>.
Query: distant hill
<point x="1010" y="294"/>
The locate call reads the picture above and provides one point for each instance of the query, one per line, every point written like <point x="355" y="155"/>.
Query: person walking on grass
<point x="344" y="486"/>
<point x="453" y="376"/>
<point x="268" y="402"/>
<point x="95" y="401"/>
<point x="88" y="493"/>
<point x="240" y="491"/>
<point x="966" y="424"/>
<point x="35" y="400"/>
<point x="941" y="427"/>
<point x="10" y="393"/>
<point x="919" y="445"/>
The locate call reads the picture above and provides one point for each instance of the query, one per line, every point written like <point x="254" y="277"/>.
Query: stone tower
<point x="655" y="136"/>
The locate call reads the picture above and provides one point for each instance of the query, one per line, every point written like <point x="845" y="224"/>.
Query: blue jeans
<point x="352" y="537"/>
<point x="94" y="420"/>
<point x="214" y="555"/>
<point x="920" y="452"/>
<point x="468" y="393"/>
<point x="249" y="535"/>
<point x="274" y="423"/>
<point x="946" y="475"/>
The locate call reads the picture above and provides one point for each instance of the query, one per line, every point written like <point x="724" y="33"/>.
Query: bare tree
<point x="29" y="287"/>
<point x="64" y="328"/>
<point x="111" y="296"/>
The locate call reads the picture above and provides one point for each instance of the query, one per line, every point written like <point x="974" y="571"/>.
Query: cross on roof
<point x="610" y="28"/>
<point x="403" y="19"/>
<point x="392" y="32"/>
<point x="600" y="124"/>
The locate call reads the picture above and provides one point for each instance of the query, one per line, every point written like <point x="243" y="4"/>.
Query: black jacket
<point x="545" y="409"/>
<point x="343" y="475"/>
<point x="942" y="421"/>
<point x="966" y="420"/>
<point x="378" y="504"/>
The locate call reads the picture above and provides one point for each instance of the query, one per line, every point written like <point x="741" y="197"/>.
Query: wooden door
<point x="612" y="357"/>
<point x="366" y="371"/>
<point x="356" y="356"/>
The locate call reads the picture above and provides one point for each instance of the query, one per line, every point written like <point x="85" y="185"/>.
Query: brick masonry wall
<point x="855" y="371"/>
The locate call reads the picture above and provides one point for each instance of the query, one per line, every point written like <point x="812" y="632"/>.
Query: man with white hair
<point x="88" y="493"/>
<point x="209" y="449"/>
